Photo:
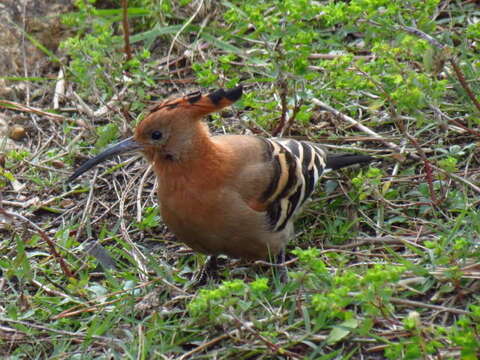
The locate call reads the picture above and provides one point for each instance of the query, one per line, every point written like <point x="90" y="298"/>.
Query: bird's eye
<point x="156" y="135"/>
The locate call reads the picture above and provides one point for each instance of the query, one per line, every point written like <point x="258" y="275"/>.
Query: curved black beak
<point x="123" y="146"/>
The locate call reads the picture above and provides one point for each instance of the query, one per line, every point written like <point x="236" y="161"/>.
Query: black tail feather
<point x="337" y="161"/>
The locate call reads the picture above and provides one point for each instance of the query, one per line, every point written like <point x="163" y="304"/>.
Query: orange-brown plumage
<point x="231" y="194"/>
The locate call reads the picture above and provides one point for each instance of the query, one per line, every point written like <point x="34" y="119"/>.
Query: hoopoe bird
<point x="235" y="195"/>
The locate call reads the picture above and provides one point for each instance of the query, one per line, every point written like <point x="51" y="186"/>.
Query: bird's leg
<point x="207" y="271"/>
<point x="211" y="266"/>
<point x="282" y="269"/>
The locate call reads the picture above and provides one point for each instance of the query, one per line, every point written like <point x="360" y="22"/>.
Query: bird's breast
<point x="216" y="221"/>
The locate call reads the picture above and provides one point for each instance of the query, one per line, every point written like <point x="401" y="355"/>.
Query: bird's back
<point x="251" y="213"/>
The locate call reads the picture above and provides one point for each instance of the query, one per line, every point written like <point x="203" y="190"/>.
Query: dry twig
<point x="359" y="126"/>
<point x="11" y="105"/>
<point x="126" y="30"/>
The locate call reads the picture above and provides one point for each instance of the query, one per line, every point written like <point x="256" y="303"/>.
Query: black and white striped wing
<point x="297" y="167"/>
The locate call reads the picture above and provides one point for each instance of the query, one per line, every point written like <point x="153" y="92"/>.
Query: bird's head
<point x="170" y="121"/>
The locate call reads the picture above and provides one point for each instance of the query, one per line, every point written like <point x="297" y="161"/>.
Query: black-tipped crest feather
<point x="192" y="98"/>
<point x="230" y="94"/>
<point x="234" y="94"/>
<point x="216" y="96"/>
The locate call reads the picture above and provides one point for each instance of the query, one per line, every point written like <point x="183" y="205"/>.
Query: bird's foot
<point x="282" y="268"/>
<point x="208" y="271"/>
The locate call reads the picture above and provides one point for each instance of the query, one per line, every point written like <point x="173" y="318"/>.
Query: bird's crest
<point x="201" y="104"/>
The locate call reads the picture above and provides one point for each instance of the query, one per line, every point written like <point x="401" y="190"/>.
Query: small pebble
<point x="58" y="164"/>
<point x="67" y="203"/>
<point x="17" y="132"/>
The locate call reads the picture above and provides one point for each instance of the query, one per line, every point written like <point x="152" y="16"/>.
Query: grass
<point x="385" y="260"/>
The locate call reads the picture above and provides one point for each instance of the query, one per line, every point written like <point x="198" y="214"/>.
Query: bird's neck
<point x="192" y="159"/>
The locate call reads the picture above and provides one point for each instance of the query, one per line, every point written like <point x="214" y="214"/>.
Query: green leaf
<point x="132" y="12"/>
<point x="158" y="31"/>
<point x="106" y="134"/>
<point x="220" y="43"/>
<point x="342" y="330"/>
<point x="26" y="78"/>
